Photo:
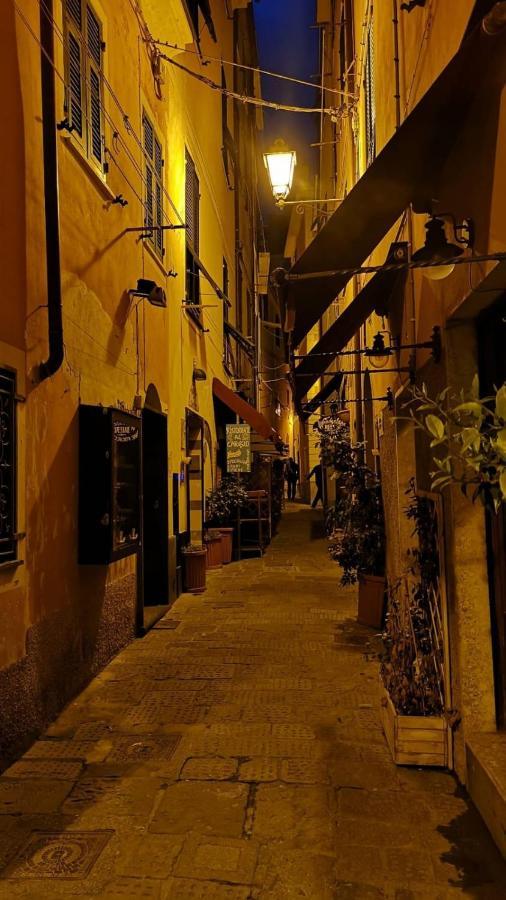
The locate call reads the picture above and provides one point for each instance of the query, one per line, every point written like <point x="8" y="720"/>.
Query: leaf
<point x="475" y="387"/>
<point x="500" y="442"/>
<point x="471" y="437"/>
<point x="435" y="426"/>
<point x="472" y="407"/>
<point x="502" y="483"/>
<point x="500" y="403"/>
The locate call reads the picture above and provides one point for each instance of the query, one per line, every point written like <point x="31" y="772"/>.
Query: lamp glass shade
<point x="437" y="249"/>
<point x="280" y="165"/>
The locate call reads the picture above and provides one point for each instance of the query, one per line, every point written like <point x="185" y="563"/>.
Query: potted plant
<point x="194" y="556"/>
<point x="212" y="540"/>
<point x="360" y="547"/>
<point x="221" y="506"/>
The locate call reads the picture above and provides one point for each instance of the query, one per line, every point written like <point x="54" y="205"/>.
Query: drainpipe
<point x="51" y="204"/>
<point x="397" y="95"/>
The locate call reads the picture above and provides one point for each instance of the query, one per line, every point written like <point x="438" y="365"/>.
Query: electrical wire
<point x="243" y="98"/>
<point x="255" y="69"/>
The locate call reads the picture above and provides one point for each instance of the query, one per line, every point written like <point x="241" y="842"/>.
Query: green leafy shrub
<point x="468" y="436"/>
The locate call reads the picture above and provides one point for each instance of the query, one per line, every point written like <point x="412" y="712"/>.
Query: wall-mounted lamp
<point x="379" y="353"/>
<point x="280" y="164"/>
<point x="437" y="248"/>
<point x="199" y="374"/>
<point x="150" y="291"/>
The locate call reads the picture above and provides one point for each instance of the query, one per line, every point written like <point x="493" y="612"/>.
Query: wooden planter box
<point x="414" y="740"/>
<point x="213" y="545"/>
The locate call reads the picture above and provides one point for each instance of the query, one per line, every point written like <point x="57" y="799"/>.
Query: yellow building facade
<point x="421" y="117"/>
<point x="129" y="232"/>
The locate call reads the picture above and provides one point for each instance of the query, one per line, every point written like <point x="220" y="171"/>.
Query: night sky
<point x="287" y="44"/>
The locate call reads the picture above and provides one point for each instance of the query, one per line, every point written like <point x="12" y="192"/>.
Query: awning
<point x="247" y="345"/>
<point x="406" y="171"/>
<point x="246" y="411"/>
<point x="374" y="296"/>
<point x="333" y="385"/>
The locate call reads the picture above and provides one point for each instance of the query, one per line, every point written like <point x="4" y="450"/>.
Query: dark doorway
<point x="155" y="524"/>
<point x="492" y="360"/>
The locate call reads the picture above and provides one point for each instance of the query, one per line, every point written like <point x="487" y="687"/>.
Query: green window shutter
<point x="75" y="84"/>
<point x="94" y="47"/>
<point x="74" y="10"/>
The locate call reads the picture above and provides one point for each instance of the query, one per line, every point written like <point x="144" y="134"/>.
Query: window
<point x="228" y="359"/>
<point x="192" y="220"/>
<point x="8" y="480"/>
<point x="84" y="49"/>
<point x="370" y="99"/>
<point x="153" y="189"/>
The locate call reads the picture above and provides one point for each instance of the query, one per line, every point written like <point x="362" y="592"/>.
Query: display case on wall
<point x="109" y="484"/>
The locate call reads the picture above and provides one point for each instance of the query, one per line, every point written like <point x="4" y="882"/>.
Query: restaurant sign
<point x="238" y="448"/>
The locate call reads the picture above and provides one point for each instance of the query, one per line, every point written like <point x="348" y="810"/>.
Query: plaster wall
<point x="59" y="621"/>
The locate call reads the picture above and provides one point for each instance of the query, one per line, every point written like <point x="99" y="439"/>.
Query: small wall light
<point x="437" y="248"/>
<point x="280" y="164"/>
<point x="199" y="374"/>
<point x="378" y="354"/>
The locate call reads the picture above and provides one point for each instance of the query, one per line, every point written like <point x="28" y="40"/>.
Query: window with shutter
<point x="8" y="475"/>
<point x="153" y="180"/>
<point x="192" y="216"/>
<point x="84" y="77"/>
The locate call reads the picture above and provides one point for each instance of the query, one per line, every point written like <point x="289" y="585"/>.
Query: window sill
<point x="154" y="256"/>
<point x="96" y="176"/>
<point x="11" y="564"/>
<point x="196" y="320"/>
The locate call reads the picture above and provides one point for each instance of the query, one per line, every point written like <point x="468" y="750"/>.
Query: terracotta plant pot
<point x="195" y="570"/>
<point x="214" y="553"/>
<point x="227" y="544"/>
<point x="371" y="600"/>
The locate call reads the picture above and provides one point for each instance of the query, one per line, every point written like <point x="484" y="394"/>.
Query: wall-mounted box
<point x="109" y="484"/>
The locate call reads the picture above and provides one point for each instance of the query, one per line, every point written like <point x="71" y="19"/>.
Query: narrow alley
<point x="236" y="753"/>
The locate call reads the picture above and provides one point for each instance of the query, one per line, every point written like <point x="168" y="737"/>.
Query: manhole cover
<point x="149" y="747"/>
<point x="56" y="855"/>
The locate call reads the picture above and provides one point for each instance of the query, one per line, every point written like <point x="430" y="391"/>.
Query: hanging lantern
<point x="280" y="164"/>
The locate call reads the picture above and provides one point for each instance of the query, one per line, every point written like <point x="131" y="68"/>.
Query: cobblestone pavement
<point x="235" y="753"/>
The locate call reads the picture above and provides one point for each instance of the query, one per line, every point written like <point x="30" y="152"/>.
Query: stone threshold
<point x="486" y="768"/>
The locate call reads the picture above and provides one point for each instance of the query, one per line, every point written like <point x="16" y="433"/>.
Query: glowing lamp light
<point x="280" y="164"/>
<point x="437" y="248"/>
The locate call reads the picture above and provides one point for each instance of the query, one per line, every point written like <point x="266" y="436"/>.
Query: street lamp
<point x="280" y="164"/>
<point x="437" y="248"/>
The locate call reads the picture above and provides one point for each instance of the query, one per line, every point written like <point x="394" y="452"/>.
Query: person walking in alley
<point x="317" y="471"/>
<point x="292" y="477"/>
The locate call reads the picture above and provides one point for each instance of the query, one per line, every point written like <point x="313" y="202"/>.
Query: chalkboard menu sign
<point x="109" y="484"/>
<point x="238" y="448"/>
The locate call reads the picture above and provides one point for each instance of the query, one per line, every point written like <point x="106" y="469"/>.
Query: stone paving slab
<point x="236" y="753"/>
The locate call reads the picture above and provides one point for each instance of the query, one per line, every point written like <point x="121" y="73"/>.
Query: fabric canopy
<point x="246" y="411"/>
<point x="405" y="171"/>
<point x="374" y="296"/>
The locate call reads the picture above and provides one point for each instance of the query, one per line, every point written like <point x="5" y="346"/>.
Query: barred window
<point x="370" y="98"/>
<point x="153" y="185"/>
<point x="8" y="480"/>
<point x="84" y="49"/>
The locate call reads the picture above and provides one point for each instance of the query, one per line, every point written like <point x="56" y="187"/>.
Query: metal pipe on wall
<point x="51" y="202"/>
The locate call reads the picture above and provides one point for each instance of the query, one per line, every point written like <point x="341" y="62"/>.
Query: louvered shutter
<point x="192" y="204"/>
<point x="148" y="150"/>
<point x="158" y="161"/>
<point x="74" y="10"/>
<point x="75" y="85"/>
<point x="94" y="46"/>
